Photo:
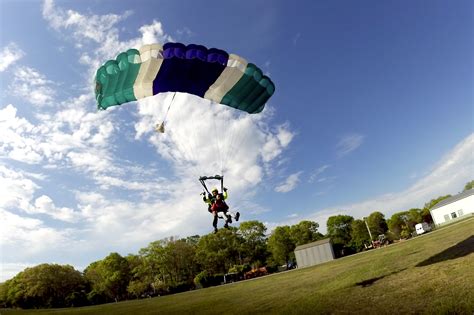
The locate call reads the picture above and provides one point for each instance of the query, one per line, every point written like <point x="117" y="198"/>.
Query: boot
<point x="215" y="230"/>
<point x="237" y="216"/>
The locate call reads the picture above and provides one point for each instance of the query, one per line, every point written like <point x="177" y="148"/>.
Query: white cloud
<point x="348" y="143"/>
<point x="45" y="204"/>
<point x="32" y="86"/>
<point x="153" y="33"/>
<point x="24" y="237"/>
<point x="17" y="189"/>
<point x="275" y="143"/>
<point x="184" y="31"/>
<point x="289" y="184"/>
<point x="9" y="55"/>
<point x="315" y="175"/>
<point x="96" y="28"/>
<point x="202" y="138"/>
<point x="70" y="137"/>
<point x="97" y="37"/>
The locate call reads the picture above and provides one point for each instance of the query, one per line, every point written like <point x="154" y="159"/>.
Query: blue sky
<point x="373" y="111"/>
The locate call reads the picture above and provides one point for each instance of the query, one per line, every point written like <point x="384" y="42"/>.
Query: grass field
<point x="430" y="274"/>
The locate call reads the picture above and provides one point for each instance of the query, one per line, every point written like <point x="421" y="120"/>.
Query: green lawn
<point x="432" y="274"/>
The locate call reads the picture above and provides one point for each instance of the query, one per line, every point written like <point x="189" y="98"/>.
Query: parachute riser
<point x="203" y="179"/>
<point x="160" y="127"/>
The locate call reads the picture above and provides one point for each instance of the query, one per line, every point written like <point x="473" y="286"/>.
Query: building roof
<point x="454" y="198"/>
<point x="317" y="243"/>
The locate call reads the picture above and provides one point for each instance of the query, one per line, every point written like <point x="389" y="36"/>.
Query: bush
<point x="201" y="279"/>
<point x="205" y="280"/>
<point x="240" y="268"/>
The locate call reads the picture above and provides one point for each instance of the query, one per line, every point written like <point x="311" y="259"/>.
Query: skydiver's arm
<point x="225" y="194"/>
<point x="207" y="200"/>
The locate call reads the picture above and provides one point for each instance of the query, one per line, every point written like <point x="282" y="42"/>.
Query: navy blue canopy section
<point x="189" y="69"/>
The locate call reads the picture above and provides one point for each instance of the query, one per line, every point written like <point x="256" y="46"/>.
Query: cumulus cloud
<point x="289" y="184"/>
<point x="153" y="33"/>
<point x="275" y="143"/>
<point x="55" y="137"/>
<point x="45" y="205"/>
<point x="348" y="143"/>
<point x="26" y="239"/>
<point x="96" y="28"/>
<point x="17" y="188"/>
<point x="203" y="138"/>
<point x="32" y="86"/>
<point x="97" y="37"/>
<point x="9" y="55"/>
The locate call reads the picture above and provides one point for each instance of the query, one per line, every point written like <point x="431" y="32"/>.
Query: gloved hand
<point x="225" y="189"/>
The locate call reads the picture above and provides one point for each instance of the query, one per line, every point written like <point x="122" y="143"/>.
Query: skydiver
<point x="216" y="205"/>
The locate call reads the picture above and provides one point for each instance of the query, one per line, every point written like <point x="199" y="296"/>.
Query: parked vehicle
<point x="422" y="228"/>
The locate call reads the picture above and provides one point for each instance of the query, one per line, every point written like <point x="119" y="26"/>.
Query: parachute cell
<point x="174" y="67"/>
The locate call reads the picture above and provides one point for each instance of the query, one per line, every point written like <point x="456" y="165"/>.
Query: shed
<point x="314" y="253"/>
<point x="453" y="208"/>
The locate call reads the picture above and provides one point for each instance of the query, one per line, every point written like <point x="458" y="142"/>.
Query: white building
<point x="453" y="208"/>
<point x="314" y="253"/>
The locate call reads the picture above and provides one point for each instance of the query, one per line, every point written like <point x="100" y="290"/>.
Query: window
<point x="447" y="217"/>
<point x="460" y="212"/>
<point x="454" y="215"/>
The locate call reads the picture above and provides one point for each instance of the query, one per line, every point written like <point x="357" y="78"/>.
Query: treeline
<point x="163" y="267"/>
<point x="174" y="265"/>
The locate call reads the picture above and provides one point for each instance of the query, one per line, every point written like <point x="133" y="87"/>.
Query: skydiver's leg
<point x="228" y="217"/>
<point x="230" y="214"/>
<point x="214" y="222"/>
<point x="235" y="215"/>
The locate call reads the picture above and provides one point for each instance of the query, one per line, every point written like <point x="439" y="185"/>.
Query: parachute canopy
<point x="174" y="67"/>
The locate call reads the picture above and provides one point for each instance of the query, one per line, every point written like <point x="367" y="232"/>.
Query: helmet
<point x="215" y="189"/>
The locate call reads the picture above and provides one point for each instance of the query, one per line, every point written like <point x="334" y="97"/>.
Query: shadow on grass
<point x="369" y="282"/>
<point x="461" y="249"/>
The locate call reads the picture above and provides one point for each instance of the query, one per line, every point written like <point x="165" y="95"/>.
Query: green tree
<point x="426" y="215"/>
<point x="377" y="224"/>
<point x="433" y="202"/>
<point x="402" y="224"/>
<point x="140" y="283"/>
<point x="152" y="270"/>
<point x="218" y="252"/>
<point x="179" y="262"/>
<point x="281" y="245"/>
<point x="254" y="245"/>
<point x="45" y="286"/>
<point x="109" y="277"/>
<point x="359" y="235"/>
<point x="469" y="185"/>
<point x="305" y="232"/>
<point x="414" y="217"/>
<point x="339" y="229"/>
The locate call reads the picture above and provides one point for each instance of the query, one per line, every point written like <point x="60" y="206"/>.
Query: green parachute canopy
<point x="212" y="74"/>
